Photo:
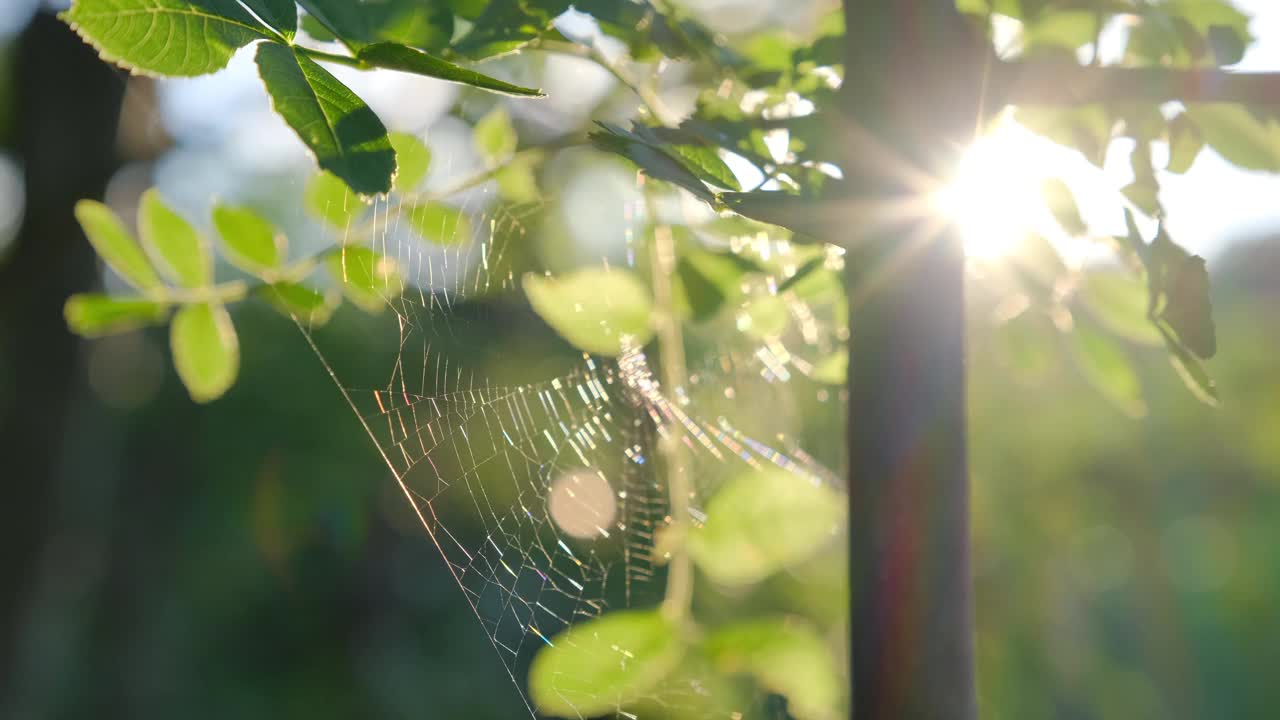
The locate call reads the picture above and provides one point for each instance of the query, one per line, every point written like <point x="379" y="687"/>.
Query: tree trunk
<point x="66" y="105"/>
<point x="912" y="96"/>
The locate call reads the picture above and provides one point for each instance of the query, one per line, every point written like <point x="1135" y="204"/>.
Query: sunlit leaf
<point x="764" y="316"/>
<point x="787" y="656"/>
<point x="507" y="25"/>
<point x="363" y="22"/>
<point x="1025" y="345"/>
<point x="1187" y="309"/>
<point x="1119" y="302"/>
<point x="369" y="280"/>
<point x="706" y="163"/>
<point x="165" y="37"/>
<point x="330" y="200"/>
<point x="833" y="369"/>
<point x="93" y="315"/>
<point x="206" y="351"/>
<point x="279" y="14"/>
<point x="174" y="246"/>
<point x="1062" y="203"/>
<point x="1108" y="368"/>
<point x="1066" y="28"/>
<point x="517" y="181"/>
<point x="406" y="59"/>
<point x="598" y="666"/>
<point x="1185" y="143"/>
<point x="1192" y="373"/>
<point x="306" y="305"/>
<point x="653" y="161"/>
<point x="115" y="245"/>
<point x="594" y="309"/>
<point x="251" y="242"/>
<point x="413" y="160"/>
<point x="761" y="521"/>
<point x="346" y="136"/>
<point x="440" y="224"/>
<point x="495" y="136"/>
<point x="1239" y="136"/>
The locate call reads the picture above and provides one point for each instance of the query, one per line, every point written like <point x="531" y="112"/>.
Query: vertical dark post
<point x="912" y="96"/>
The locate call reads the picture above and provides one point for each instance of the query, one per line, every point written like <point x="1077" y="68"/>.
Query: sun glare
<point x="994" y="196"/>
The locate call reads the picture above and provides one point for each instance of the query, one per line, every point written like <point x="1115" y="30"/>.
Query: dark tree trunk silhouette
<point x="66" y="104"/>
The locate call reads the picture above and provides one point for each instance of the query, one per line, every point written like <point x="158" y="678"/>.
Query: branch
<point x="1057" y="83"/>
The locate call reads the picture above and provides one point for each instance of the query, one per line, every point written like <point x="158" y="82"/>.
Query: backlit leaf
<point x="1239" y="136"/>
<point x="1185" y="143"/>
<point x="1062" y="203"/>
<point x="94" y="315"/>
<point x="369" y="280"/>
<point x="279" y="14"/>
<point x="413" y="160"/>
<point x="251" y="242"/>
<point x="165" y="37"/>
<point x="306" y="305"/>
<point x="594" y="309"/>
<point x="761" y="521"/>
<point x="174" y="246"/>
<point x="787" y="656"/>
<point x="425" y="25"/>
<point x="494" y="136"/>
<point x="346" y="136"/>
<point x="330" y="200"/>
<point x="1107" y="368"/>
<point x="440" y="224"/>
<point x="406" y="59"/>
<point x="115" y="245"/>
<point x="206" y="351"/>
<point x="598" y="666"/>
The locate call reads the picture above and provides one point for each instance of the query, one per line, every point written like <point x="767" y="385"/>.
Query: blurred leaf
<point x="440" y="224"/>
<point x="330" y="200"/>
<point x="787" y="656"/>
<point x="594" y="309"/>
<point x="507" y="25"/>
<point x="413" y="160"/>
<point x="1144" y="191"/>
<point x="369" y="280"/>
<point x="494" y="136"/>
<point x="299" y="302"/>
<point x="346" y="136"/>
<point x="406" y="59"/>
<point x="706" y="163"/>
<point x="1239" y="136"/>
<point x="1227" y="44"/>
<point x="1108" y="368"/>
<point x="1062" y="203"/>
<point x="206" y="352"/>
<point x="1066" y="28"/>
<point x="174" y="246"/>
<point x="251" y="242"/>
<point x="1187" y="309"/>
<point x="833" y="369"/>
<point x="764" y="316"/>
<point x="517" y="181"/>
<point x="708" y="279"/>
<point x="113" y="243"/>
<point x="1119" y="302"/>
<point x="279" y="14"/>
<point x="93" y="315"/>
<point x="363" y="22"/>
<point x="1024" y="344"/>
<point x="1193" y="374"/>
<point x="761" y="521"/>
<point x="598" y="666"/>
<point x="165" y="37"/>
<point x="1086" y="128"/>
<point x="1185" y="143"/>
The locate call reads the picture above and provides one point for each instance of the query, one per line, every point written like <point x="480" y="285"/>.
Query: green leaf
<point x="413" y="160"/>
<point x="174" y="246"/>
<point x="494" y="136"/>
<point x="508" y="25"/>
<point x="441" y="224"/>
<point x="94" y="315"/>
<point x="764" y="316"/>
<point x="1119" y="302"/>
<point x="1187" y="309"/>
<point x="369" y="280"/>
<point x="517" y="181"/>
<point x="206" y="351"/>
<point x="1193" y="374"/>
<point x="762" y="521"/>
<point x="833" y="369"/>
<point x="165" y="37"/>
<point x="1185" y="143"/>
<point x="357" y="23"/>
<point x="653" y="161"/>
<point x="706" y="163"/>
<point x="1108" y="369"/>
<point x="346" y="136"/>
<point x="251" y="242"/>
<point x="1062" y="203"/>
<point x="279" y="14"/>
<point x="599" y="666"/>
<point x="330" y="200"/>
<point x="1241" y="137"/>
<point x="406" y="59"/>
<point x="115" y="245"/>
<point x="299" y="302"/>
<point x="1068" y="29"/>
<point x="788" y="657"/>
<point x="594" y="309"/>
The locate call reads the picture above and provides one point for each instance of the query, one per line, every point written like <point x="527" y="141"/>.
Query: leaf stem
<point x="322" y="55"/>
<point x="677" y="602"/>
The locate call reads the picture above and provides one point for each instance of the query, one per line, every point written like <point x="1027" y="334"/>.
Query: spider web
<point x="484" y="464"/>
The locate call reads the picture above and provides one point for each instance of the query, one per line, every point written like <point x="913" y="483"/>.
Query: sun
<point x="994" y="196"/>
